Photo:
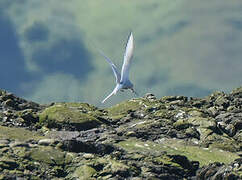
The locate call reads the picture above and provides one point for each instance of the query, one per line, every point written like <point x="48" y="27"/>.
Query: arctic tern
<point x="122" y="80"/>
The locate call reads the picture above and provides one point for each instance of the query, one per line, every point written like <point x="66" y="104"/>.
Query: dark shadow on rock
<point x="87" y="147"/>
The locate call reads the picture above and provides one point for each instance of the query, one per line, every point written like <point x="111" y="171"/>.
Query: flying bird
<point x="122" y="80"/>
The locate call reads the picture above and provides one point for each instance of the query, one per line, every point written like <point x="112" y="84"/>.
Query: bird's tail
<point x="115" y="90"/>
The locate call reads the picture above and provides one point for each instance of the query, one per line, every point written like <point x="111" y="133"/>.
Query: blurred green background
<point x="48" y="49"/>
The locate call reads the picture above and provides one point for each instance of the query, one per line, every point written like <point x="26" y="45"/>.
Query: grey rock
<point x="150" y="96"/>
<point x="4" y="141"/>
<point x="47" y="142"/>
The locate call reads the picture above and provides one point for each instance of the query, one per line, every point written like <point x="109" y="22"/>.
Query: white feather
<point x="116" y="89"/>
<point x="114" y="68"/>
<point x="129" y="50"/>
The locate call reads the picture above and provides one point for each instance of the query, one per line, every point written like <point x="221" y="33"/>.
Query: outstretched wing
<point x="127" y="58"/>
<point x="112" y="93"/>
<point x="114" y="68"/>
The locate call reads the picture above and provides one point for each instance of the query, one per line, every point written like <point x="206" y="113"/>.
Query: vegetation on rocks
<point x="174" y="137"/>
<point x="74" y="115"/>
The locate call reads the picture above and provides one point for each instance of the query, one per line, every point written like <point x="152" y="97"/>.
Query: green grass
<point x="194" y="153"/>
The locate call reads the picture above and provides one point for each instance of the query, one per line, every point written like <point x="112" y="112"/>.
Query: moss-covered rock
<point x="173" y="137"/>
<point x="19" y="134"/>
<point x="121" y="110"/>
<point x="175" y="146"/>
<point x="48" y="155"/>
<point x="84" y="172"/>
<point x="78" y="116"/>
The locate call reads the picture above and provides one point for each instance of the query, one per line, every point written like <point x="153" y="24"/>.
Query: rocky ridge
<point x="174" y="137"/>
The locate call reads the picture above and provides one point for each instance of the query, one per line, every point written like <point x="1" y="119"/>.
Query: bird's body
<point x="126" y="85"/>
<point x="122" y="80"/>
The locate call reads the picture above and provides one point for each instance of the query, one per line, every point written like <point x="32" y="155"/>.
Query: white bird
<point x="122" y="81"/>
